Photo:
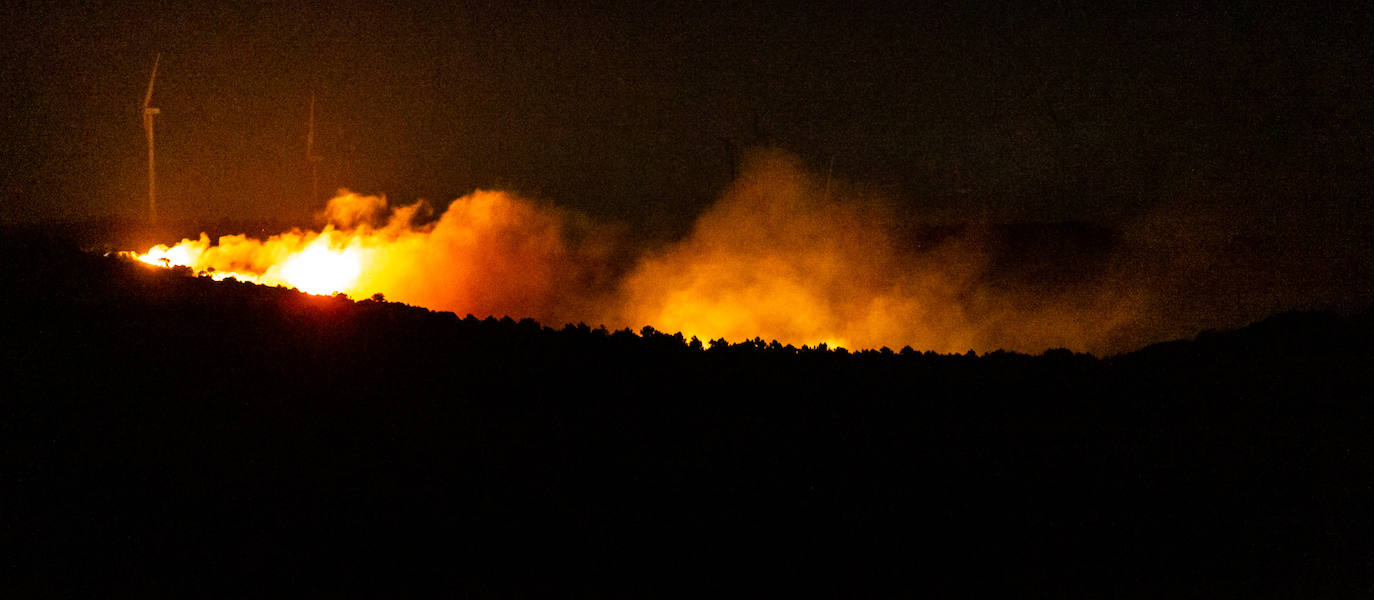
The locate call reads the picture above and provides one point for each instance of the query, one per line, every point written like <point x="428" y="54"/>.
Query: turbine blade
<point x="148" y="98"/>
<point x="310" y="134"/>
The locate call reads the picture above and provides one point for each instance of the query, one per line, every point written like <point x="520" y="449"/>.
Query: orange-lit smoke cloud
<point x="783" y="255"/>
<point x="489" y="253"/>
<point x="789" y="256"/>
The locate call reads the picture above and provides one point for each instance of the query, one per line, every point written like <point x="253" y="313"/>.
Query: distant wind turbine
<point x="310" y="155"/>
<point x="148" y="113"/>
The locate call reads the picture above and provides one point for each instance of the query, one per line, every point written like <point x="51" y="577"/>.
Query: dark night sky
<point x="638" y="114"/>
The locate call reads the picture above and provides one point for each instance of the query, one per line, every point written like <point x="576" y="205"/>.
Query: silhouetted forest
<point x="164" y="434"/>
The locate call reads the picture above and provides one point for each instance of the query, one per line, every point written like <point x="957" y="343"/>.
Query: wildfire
<point x="488" y="254"/>
<point x="778" y="257"/>
<point x="318" y="268"/>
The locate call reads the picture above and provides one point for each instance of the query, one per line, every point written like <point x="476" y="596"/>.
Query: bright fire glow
<point x="488" y="254"/>
<point x="317" y="268"/>
<point x="320" y="269"/>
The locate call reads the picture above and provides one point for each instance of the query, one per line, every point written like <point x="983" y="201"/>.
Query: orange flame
<point x="489" y="253"/>
<point x="312" y="263"/>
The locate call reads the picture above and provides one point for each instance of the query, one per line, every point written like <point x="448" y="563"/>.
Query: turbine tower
<point x="148" y="113"/>
<point x="310" y="155"/>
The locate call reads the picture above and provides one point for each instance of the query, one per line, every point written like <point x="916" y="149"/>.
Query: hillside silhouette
<point x="166" y="433"/>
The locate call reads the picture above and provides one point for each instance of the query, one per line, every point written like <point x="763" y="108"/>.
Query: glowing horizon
<point x="780" y="257"/>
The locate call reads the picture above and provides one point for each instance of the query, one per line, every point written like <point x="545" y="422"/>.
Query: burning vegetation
<point x="489" y="253"/>
<point x="783" y="255"/>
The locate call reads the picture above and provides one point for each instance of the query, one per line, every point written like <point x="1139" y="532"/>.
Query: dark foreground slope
<point x="168" y="434"/>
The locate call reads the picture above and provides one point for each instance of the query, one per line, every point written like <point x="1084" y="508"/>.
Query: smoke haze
<point x="788" y="255"/>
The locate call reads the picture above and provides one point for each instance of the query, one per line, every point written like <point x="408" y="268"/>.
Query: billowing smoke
<point x="789" y="256"/>
<point x="489" y="253"/>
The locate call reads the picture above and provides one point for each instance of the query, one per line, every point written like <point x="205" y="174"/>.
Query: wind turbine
<point x="148" y="113"/>
<point x="310" y="155"/>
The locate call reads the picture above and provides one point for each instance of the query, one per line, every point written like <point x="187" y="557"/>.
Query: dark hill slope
<point x="165" y="433"/>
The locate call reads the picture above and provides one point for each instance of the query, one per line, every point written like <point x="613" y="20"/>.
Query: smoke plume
<point x="787" y="256"/>
<point x="489" y="253"/>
